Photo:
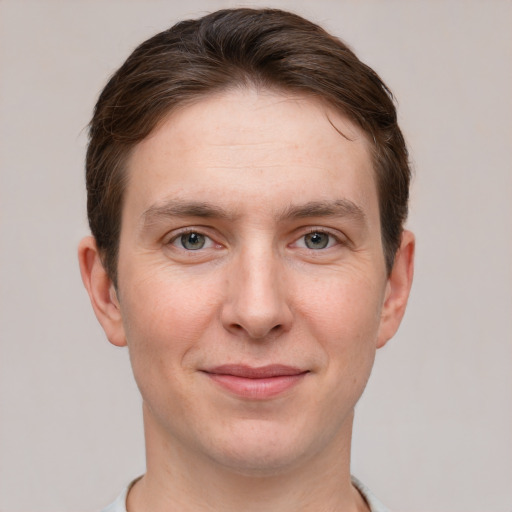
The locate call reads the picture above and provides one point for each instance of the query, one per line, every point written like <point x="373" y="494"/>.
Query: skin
<point x="255" y="173"/>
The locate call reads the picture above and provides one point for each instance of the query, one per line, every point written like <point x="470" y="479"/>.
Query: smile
<point x="256" y="383"/>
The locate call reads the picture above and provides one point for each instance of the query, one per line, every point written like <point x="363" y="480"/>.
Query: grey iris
<point x="193" y="241"/>
<point x="316" y="240"/>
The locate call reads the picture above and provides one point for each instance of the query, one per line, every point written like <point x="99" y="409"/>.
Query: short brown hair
<point x="267" y="48"/>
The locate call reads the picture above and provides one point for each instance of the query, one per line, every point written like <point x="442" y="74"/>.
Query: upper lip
<point x="256" y="372"/>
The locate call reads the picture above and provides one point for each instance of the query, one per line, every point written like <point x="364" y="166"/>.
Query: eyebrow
<point x="180" y="208"/>
<point x="337" y="208"/>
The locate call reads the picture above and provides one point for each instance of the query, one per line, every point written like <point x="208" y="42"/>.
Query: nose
<point x="257" y="304"/>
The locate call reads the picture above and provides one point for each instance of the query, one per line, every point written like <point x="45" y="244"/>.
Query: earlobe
<point x="101" y="291"/>
<point x="398" y="288"/>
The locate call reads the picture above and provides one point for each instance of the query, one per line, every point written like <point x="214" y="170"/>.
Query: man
<point x="247" y="189"/>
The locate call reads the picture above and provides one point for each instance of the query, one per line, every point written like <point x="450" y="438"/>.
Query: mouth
<point x="257" y="383"/>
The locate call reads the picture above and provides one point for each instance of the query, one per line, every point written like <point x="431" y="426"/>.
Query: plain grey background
<point x="433" y="430"/>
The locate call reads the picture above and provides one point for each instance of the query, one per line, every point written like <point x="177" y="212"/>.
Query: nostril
<point x="256" y="333"/>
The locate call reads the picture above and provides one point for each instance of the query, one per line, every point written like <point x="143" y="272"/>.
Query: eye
<point x="317" y="240"/>
<point x="192" y="241"/>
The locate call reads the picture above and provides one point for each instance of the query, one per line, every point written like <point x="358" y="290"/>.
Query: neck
<point x="178" y="479"/>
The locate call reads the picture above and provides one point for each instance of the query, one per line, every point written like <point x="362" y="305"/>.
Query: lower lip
<point x="257" y="389"/>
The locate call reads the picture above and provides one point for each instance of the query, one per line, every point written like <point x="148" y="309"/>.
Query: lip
<point x="257" y="383"/>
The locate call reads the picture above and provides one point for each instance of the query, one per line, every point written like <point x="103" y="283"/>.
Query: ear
<point x="101" y="291"/>
<point x="397" y="289"/>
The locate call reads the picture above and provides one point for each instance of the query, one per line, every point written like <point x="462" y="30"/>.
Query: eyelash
<point x="189" y="231"/>
<point x="321" y="231"/>
<point x="333" y="239"/>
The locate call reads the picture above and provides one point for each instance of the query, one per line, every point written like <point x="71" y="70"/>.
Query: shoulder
<point x="119" y="505"/>
<point x="374" y="504"/>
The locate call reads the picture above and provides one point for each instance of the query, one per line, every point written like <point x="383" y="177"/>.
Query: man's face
<point x="252" y="280"/>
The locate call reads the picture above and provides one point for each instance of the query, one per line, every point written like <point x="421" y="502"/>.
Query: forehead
<point x="247" y="145"/>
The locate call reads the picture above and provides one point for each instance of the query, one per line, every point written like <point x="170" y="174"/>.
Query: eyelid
<point x="336" y="235"/>
<point x="176" y="234"/>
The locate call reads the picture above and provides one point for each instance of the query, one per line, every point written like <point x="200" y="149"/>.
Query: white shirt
<point x="375" y="505"/>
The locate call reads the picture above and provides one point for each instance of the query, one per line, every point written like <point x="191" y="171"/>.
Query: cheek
<point x="344" y="310"/>
<point x="175" y="302"/>
<point x="343" y="317"/>
<point x="164" y="319"/>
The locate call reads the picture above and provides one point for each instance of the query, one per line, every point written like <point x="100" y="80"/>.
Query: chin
<point x="256" y="449"/>
<point x="257" y="462"/>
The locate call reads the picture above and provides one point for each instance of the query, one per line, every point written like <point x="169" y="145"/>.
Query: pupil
<point x="317" y="240"/>
<point x="192" y="241"/>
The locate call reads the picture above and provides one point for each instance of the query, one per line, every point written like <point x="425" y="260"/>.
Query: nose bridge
<point x="260" y="277"/>
<point x="258" y="301"/>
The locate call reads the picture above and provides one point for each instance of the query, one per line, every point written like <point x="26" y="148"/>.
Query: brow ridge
<point x="338" y="208"/>
<point x="179" y="208"/>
